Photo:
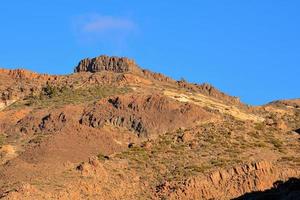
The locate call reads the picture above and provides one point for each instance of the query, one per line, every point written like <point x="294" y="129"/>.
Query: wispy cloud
<point x="107" y="30"/>
<point x="108" y="23"/>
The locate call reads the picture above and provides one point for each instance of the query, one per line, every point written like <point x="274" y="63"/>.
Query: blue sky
<point x="249" y="49"/>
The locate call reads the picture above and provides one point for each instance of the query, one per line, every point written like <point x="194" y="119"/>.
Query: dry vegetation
<point x="55" y="96"/>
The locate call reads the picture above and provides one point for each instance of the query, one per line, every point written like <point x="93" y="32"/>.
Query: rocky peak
<point x="106" y="63"/>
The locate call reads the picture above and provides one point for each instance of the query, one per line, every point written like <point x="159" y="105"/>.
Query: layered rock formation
<point x="106" y="63"/>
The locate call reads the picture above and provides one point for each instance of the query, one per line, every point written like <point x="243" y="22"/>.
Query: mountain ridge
<point x="118" y="65"/>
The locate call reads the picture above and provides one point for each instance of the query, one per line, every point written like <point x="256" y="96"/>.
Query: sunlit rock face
<point x="106" y="63"/>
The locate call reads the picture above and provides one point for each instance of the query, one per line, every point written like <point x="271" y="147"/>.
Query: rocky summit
<point x="106" y="63"/>
<point x="113" y="130"/>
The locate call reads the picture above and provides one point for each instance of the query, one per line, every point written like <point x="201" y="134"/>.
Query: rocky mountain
<point x="112" y="130"/>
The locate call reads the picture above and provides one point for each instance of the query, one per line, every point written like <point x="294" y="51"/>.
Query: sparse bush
<point x="135" y="153"/>
<point x="49" y="91"/>
<point x="259" y="126"/>
<point x="54" y="96"/>
<point x="277" y="143"/>
<point x="260" y="144"/>
<point x="254" y="134"/>
<point x="218" y="162"/>
<point x="2" y="138"/>
<point x="102" y="157"/>
<point x="197" y="169"/>
<point x="37" y="139"/>
<point x="287" y="158"/>
<point x="180" y="131"/>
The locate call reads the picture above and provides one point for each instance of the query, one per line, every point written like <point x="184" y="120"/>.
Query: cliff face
<point x="106" y="63"/>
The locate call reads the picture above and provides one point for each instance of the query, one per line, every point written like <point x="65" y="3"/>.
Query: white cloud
<point x="107" y="23"/>
<point x="108" y="30"/>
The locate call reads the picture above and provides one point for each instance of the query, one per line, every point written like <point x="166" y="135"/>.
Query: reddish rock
<point x="106" y="63"/>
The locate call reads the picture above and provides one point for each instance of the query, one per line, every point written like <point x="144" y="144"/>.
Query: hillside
<point x="112" y="130"/>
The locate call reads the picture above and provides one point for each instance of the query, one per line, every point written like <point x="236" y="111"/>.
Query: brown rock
<point x="106" y="63"/>
<point x="187" y="137"/>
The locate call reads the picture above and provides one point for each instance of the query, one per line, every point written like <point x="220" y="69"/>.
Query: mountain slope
<point x="113" y="130"/>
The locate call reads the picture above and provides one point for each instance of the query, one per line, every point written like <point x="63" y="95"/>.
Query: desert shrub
<point x="277" y="143"/>
<point x="197" y="169"/>
<point x="292" y="159"/>
<point x="102" y="157"/>
<point x="254" y="134"/>
<point x="287" y="158"/>
<point x="37" y="139"/>
<point x="259" y="126"/>
<point x="49" y="91"/>
<point x="260" y="144"/>
<point x="2" y="138"/>
<point x="218" y="162"/>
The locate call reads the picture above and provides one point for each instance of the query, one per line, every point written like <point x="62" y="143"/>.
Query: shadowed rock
<point x="289" y="190"/>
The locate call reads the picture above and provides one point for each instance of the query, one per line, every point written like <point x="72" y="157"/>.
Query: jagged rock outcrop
<point x="157" y="76"/>
<point x="106" y="63"/>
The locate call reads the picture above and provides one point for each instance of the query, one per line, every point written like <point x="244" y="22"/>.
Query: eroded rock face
<point x="106" y="63"/>
<point x="143" y="114"/>
<point x="49" y="123"/>
<point x="228" y="183"/>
